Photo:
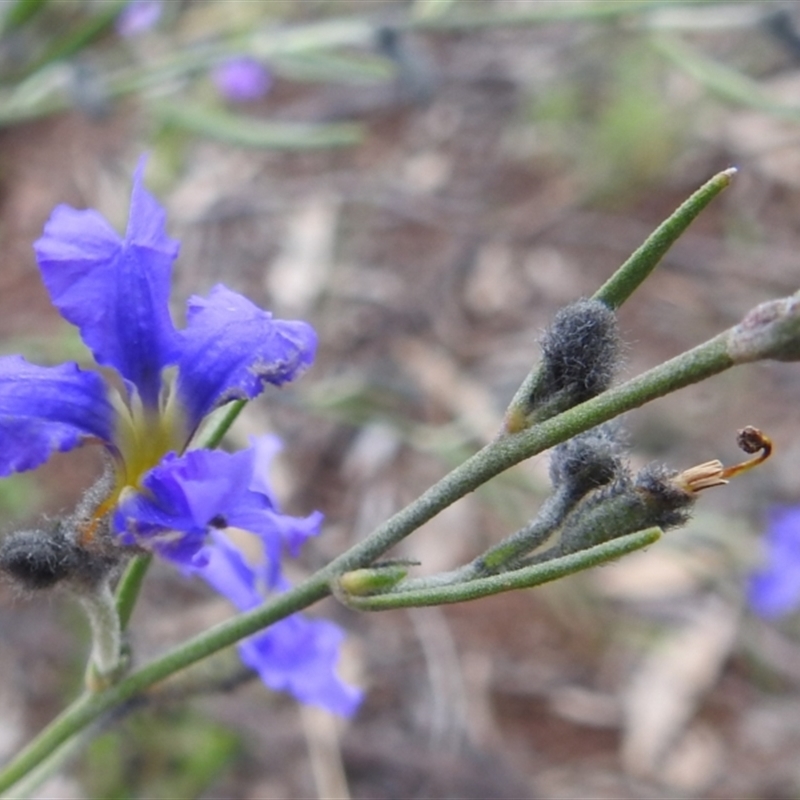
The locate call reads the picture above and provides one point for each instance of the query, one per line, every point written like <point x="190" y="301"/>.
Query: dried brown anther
<point x="713" y="473"/>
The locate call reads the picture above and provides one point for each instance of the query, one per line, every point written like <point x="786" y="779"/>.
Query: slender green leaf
<point x="250" y="132"/>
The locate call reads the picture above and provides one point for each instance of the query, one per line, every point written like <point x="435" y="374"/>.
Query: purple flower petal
<point x="299" y="655"/>
<point x="138" y="16"/>
<point x="45" y="409"/>
<point x="266" y="448"/>
<point x="229" y="574"/>
<point x="181" y="498"/>
<point x="205" y="490"/>
<point x="115" y="290"/>
<point x="232" y="349"/>
<point x="241" y="79"/>
<point x="774" y="590"/>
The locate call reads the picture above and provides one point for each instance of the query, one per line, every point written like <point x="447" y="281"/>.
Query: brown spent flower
<point x="713" y="473"/>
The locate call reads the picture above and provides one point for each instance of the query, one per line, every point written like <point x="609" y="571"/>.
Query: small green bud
<point x="372" y="580"/>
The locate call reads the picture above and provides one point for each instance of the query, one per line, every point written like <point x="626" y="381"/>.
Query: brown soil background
<point x="429" y="258"/>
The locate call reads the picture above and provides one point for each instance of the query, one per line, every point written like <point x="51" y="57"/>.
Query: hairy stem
<point x="106" y="634"/>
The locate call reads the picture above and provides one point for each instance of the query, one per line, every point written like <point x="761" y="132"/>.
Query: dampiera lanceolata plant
<point x="166" y="491"/>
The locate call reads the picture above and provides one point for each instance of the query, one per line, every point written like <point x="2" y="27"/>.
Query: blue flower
<point x="139" y="16"/>
<point x="166" y="498"/>
<point x="774" y="590"/>
<point x="241" y="79"/>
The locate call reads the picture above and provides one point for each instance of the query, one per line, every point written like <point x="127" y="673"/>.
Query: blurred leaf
<point x="722" y="80"/>
<point x="250" y="132"/>
<point x="19" y="496"/>
<point x="428" y="9"/>
<point x="476" y="14"/>
<point x="19" y="12"/>
<point x="82" y="34"/>
<point x="164" y="754"/>
<point x="333" y="68"/>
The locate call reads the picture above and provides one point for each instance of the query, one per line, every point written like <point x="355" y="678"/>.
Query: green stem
<point x="129" y="586"/>
<point x="524" y="578"/>
<point x="104" y="621"/>
<point x="28" y="787"/>
<point x="212" y="438"/>
<point x="597" y="10"/>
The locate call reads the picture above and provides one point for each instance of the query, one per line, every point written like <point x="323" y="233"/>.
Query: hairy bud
<point x="38" y="559"/>
<point x="76" y="550"/>
<point x="580" y="350"/>
<point x="587" y="462"/>
<point x="579" y="466"/>
<point x="654" y="498"/>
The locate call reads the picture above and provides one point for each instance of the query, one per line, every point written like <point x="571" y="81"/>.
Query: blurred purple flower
<point x="774" y="590"/>
<point x="241" y="79"/>
<point x="139" y="16"/>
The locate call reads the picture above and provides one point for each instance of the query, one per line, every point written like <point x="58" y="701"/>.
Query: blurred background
<point x="427" y="182"/>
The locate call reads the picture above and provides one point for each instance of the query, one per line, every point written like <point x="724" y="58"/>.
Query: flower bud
<point x="587" y="461"/>
<point x="580" y="350"/>
<point x="655" y="498"/>
<point x="371" y="580"/>
<point x="38" y="559"/>
<point x="580" y="465"/>
<point x="75" y="549"/>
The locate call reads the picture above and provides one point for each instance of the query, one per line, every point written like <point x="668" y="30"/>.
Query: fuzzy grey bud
<point x="579" y="354"/>
<point x="666" y="502"/>
<point x="587" y="461"/>
<point x="38" y="559"/>
<point x="579" y="466"/>
<point x="76" y="550"/>
<point x="656" y="497"/>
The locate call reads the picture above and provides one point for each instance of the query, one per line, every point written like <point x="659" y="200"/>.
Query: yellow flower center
<point x="142" y="437"/>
